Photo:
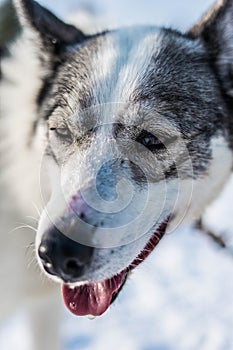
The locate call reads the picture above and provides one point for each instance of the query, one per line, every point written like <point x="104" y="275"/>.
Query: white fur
<point x="195" y="195"/>
<point x="23" y="286"/>
<point x="23" y="170"/>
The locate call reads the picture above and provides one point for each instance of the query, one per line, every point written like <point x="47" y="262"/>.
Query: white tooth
<point x="71" y="287"/>
<point x="77" y="284"/>
<point x="91" y="317"/>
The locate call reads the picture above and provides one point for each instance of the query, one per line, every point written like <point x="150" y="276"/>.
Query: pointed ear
<point x="215" y="30"/>
<point x="43" y="26"/>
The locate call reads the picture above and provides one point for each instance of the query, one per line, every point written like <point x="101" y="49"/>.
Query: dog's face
<point x="136" y="124"/>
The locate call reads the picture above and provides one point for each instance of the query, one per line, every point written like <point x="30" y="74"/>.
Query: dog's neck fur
<point x="18" y="90"/>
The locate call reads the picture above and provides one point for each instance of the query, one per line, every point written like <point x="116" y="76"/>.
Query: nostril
<point x="73" y="267"/>
<point x="46" y="261"/>
<point x="72" y="264"/>
<point x="49" y="269"/>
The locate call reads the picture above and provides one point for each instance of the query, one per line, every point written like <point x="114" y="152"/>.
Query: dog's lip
<point x="94" y="298"/>
<point x="151" y="244"/>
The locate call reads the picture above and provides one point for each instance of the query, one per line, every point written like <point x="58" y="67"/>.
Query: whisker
<point x="37" y="209"/>
<point x="32" y="262"/>
<point x="23" y="226"/>
<point x="33" y="218"/>
<point x="30" y="249"/>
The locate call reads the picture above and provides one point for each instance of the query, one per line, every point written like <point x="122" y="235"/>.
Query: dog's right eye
<point x="62" y="132"/>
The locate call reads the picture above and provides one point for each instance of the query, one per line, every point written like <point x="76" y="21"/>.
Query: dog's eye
<point x="150" y="141"/>
<point x="62" y="131"/>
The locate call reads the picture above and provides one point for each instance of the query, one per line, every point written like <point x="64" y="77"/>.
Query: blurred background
<point x="181" y="297"/>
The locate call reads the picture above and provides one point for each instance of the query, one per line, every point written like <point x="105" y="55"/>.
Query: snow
<point x="181" y="297"/>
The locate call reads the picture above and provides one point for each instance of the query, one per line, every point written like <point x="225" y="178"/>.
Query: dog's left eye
<point x="150" y="141"/>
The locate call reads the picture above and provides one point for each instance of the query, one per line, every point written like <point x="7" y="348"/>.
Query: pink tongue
<point x="93" y="298"/>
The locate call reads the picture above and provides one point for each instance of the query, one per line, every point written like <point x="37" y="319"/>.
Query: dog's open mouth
<point x="94" y="298"/>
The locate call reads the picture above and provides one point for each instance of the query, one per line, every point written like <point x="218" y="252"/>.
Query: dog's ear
<point x="215" y="30"/>
<point x="45" y="28"/>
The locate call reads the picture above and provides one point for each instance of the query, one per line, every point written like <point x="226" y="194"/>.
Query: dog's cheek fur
<point x="196" y="194"/>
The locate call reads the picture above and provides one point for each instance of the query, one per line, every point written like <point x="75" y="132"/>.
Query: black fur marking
<point x="171" y="173"/>
<point x="183" y="88"/>
<point x="61" y="59"/>
<point x="50" y="80"/>
<point x="47" y="84"/>
<point x="215" y="31"/>
<point x="52" y="30"/>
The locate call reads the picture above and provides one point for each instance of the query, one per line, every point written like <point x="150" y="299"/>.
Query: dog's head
<point x="136" y="124"/>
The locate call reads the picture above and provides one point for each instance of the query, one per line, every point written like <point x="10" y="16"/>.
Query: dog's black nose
<point x="63" y="257"/>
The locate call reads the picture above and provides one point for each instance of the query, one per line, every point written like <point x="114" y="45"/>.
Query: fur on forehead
<point x="107" y="68"/>
<point x="114" y="66"/>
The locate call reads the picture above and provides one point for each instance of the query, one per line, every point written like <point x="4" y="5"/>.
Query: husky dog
<point x="120" y="135"/>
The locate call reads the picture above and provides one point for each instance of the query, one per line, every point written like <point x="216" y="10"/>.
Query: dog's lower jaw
<point x="94" y="298"/>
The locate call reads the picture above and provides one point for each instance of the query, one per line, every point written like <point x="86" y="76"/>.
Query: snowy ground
<point x="182" y="296"/>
